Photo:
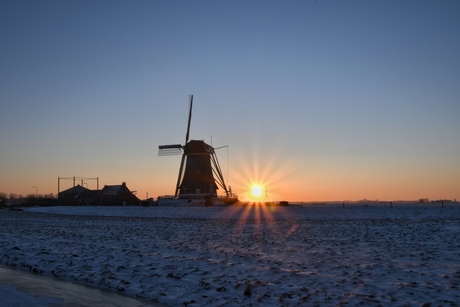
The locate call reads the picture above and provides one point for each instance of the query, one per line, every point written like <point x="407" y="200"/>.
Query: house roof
<point x="74" y="190"/>
<point x="111" y="189"/>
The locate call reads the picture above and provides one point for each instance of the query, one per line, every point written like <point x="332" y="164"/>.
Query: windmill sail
<point x="181" y="168"/>
<point x="170" y="150"/>
<point x="217" y="171"/>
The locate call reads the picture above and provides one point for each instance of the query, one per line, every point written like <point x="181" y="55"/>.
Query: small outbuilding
<point x="118" y="195"/>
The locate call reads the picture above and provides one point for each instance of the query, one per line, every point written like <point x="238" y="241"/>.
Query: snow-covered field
<point x="405" y="255"/>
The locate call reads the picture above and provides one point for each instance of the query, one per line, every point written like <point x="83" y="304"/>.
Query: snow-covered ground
<point x="19" y="288"/>
<point x="405" y="255"/>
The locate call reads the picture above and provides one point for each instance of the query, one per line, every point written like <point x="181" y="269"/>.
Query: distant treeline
<point x="369" y="201"/>
<point x="31" y="199"/>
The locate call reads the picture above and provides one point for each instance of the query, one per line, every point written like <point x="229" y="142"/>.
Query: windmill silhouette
<point x="202" y="176"/>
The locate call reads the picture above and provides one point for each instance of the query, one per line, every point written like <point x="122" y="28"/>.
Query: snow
<point x="21" y="288"/>
<point x="325" y="255"/>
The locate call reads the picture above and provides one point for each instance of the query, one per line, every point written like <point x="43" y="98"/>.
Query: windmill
<point x="202" y="175"/>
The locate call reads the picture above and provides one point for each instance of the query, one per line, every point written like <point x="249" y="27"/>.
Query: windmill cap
<point x="197" y="147"/>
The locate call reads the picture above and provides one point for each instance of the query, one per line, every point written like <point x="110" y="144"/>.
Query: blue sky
<point x="317" y="100"/>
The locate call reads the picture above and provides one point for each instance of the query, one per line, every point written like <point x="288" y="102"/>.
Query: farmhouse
<point x="110" y="195"/>
<point x="68" y="197"/>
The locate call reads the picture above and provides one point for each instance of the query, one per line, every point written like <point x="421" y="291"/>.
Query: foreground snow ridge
<point x="246" y="255"/>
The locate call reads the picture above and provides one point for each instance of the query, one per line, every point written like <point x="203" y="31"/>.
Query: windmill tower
<point x="202" y="176"/>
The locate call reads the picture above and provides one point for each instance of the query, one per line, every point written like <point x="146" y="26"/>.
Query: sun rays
<point x="261" y="219"/>
<point x="259" y="178"/>
<point x="261" y="181"/>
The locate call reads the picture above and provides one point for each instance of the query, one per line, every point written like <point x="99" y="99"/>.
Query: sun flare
<point x="256" y="191"/>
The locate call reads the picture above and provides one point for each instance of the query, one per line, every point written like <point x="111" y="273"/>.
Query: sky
<point x="316" y="100"/>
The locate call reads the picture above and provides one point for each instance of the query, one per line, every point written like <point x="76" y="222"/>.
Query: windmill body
<point x="198" y="179"/>
<point x="202" y="175"/>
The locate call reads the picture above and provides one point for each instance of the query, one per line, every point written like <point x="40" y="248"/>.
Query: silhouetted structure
<point x="117" y="195"/>
<point x="68" y="197"/>
<point x="197" y="181"/>
<point x="198" y="178"/>
<point x="110" y="195"/>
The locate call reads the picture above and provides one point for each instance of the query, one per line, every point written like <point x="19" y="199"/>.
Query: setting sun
<point x="256" y="191"/>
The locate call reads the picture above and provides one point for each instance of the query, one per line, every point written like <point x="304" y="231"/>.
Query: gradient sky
<point x="316" y="100"/>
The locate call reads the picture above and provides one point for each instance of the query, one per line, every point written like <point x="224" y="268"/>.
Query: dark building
<point x="88" y="198"/>
<point x="198" y="177"/>
<point x="69" y="196"/>
<point x="118" y="195"/>
<point x="110" y="195"/>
